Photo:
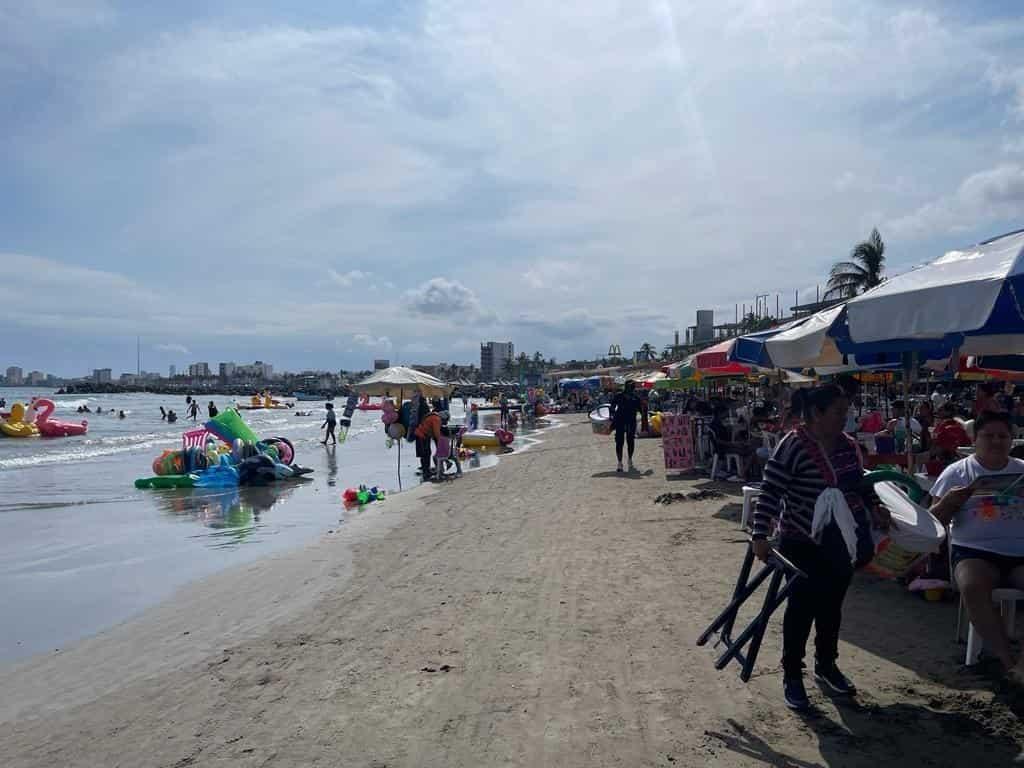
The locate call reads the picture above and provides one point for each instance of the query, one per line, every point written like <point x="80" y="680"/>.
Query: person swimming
<point x="171" y="417"/>
<point x="120" y="414"/>
<point x="99" y="409"/>
<point x="163" y="414"/>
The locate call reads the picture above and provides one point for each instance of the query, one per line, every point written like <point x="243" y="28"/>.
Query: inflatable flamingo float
<point x="51" y="427"/>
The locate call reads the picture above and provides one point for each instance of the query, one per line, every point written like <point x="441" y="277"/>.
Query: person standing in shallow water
<point x="624" y="409"/>
<point x="330" y="423"/>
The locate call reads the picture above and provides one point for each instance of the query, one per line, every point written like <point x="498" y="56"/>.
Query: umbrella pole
<point x="400" y="399"/>
<point x="908" y="412"/>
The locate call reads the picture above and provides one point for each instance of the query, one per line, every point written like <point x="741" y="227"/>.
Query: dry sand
<point x="543" y="612"/>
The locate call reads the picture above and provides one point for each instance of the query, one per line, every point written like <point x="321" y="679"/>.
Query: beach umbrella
<point x="752" y="349"/>
<point x="403" y="379"/>
<point x="715" y="356"/>
<point x="968" y="299"/>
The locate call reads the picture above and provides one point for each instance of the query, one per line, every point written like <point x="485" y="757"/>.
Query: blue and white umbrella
<point x="969" y="299"/>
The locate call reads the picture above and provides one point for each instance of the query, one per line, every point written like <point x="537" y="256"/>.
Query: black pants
<point x="625" y="432"/>
<point x="330" y="433"/>
<point x="423" y="452"/>
<point x="817" y="600"/>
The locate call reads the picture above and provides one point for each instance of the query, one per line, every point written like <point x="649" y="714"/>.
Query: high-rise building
<point x="493" y="358"/>
<point x="227" y="370"/>
<point x="36" y="378"/>
<point x="381" y="364"/>
<point x="199" y="370"/>
<point x="15" y="375"/>
<point x="102" y="376"/>
<point x="705" y="330"/>
<point x="172" y="371"/>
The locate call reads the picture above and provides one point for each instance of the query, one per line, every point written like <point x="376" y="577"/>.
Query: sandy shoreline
<point x="564" y="606"/>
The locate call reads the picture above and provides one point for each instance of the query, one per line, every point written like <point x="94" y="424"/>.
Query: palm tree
<point x="864" y="270"/>
<point x="646" y="351"/>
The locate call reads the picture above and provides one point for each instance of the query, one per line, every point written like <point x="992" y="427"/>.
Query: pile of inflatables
<point x="357" y="497"/>
<point x="223" y="454"/>
<point x="35" y="421"/>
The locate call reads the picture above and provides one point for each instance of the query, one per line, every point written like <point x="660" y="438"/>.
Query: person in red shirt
<point x="429" y="428"/>
<point x="948" y="435"/>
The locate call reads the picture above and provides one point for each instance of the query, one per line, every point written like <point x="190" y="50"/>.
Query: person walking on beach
<point x="816" y="465"/>
<point x="624" y="409"/>
<point x="503" y="406"/>
<point x="330" y="423"/>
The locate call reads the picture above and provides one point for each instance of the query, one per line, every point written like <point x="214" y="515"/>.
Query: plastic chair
<point x="733" y="464"/>
<point x="1007" y="598"/>
<point x="750" y="494"/>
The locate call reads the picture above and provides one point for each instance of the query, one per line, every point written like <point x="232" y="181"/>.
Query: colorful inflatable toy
<point x="16" y="426"/>
<point x="51" y="427"/>
<point x="485" y="438"/>
<point x="362" y="495"/>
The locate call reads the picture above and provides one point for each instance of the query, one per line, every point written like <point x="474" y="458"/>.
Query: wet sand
<point x="541" y="612"/>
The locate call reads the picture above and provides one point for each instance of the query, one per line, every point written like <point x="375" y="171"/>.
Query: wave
<point x="98" y="449"/>
<point x="72" y="404"/>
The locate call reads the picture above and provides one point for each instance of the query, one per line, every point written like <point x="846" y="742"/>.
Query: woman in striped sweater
<point x="823" y="529"/>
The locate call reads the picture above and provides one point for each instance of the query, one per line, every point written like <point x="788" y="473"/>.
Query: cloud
<point x="572" y="324"/>
<point x="440" y="296"/>
<point x="372" y="342"/>
<point x="593" y="157"/>
<point x="554" y="275"/>
<point x="180" y="349"/>
<point x="987" y="196"/>
<point x="347" y="279"/>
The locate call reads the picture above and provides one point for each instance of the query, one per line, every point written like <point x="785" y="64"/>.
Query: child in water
<point x="330" y="422"/>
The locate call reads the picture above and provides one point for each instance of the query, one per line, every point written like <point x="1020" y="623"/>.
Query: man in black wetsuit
<point x="624" y="408"/>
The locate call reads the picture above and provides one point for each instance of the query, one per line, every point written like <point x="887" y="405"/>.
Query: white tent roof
<point x="398" y="378"/>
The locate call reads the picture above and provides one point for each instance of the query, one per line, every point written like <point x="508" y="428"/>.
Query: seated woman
<point x="988" y="549"/>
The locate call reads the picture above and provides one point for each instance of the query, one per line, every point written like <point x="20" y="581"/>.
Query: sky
<point x="319" y="184"/>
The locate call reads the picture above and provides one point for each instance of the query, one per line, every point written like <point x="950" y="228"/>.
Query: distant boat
<point x="306" y="396"/>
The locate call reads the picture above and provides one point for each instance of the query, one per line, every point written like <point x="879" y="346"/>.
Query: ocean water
<point x="82" y="549"/>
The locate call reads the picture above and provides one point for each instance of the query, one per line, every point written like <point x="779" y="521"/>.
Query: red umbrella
<point x="716" y="356"/>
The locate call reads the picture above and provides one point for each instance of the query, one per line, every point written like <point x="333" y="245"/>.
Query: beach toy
<point x="601" y="420"/>
<point x="51" y="427"/>
<point x="16" y="426"/>
<point x="906" y="482"/>
<point x="504" y="436"/>
<point x="167" y="481"/>
<point x="228" y="426"/>
<point x="350" y="495"/>
<point x="223" y="475"/>
<point x="396" y="431"/>
<point x="484" y="438"/>
<point x="914" y="533"/>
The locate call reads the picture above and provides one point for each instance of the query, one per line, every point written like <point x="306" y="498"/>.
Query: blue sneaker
<point x="796" y="694"/>
<point x="835" y="681"/>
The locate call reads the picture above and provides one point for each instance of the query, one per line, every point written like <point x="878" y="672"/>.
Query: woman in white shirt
<point x="988" y="528"/>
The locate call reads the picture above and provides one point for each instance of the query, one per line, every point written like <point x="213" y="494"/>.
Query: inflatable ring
<point x="914" y="491"/>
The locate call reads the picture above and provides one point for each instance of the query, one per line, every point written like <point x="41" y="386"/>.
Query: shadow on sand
<point x="870" y="735"/>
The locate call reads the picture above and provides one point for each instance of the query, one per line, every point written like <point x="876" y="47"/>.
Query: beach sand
<point x="542" y="612"/>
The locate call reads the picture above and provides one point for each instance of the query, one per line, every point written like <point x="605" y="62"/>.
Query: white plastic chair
<point x="1007" y="598"/>
<point x="750" y="494"/>
<point x="733" y="464"/>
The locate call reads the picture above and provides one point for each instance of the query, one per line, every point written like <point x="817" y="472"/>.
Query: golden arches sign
<point x="614" y="350"/>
